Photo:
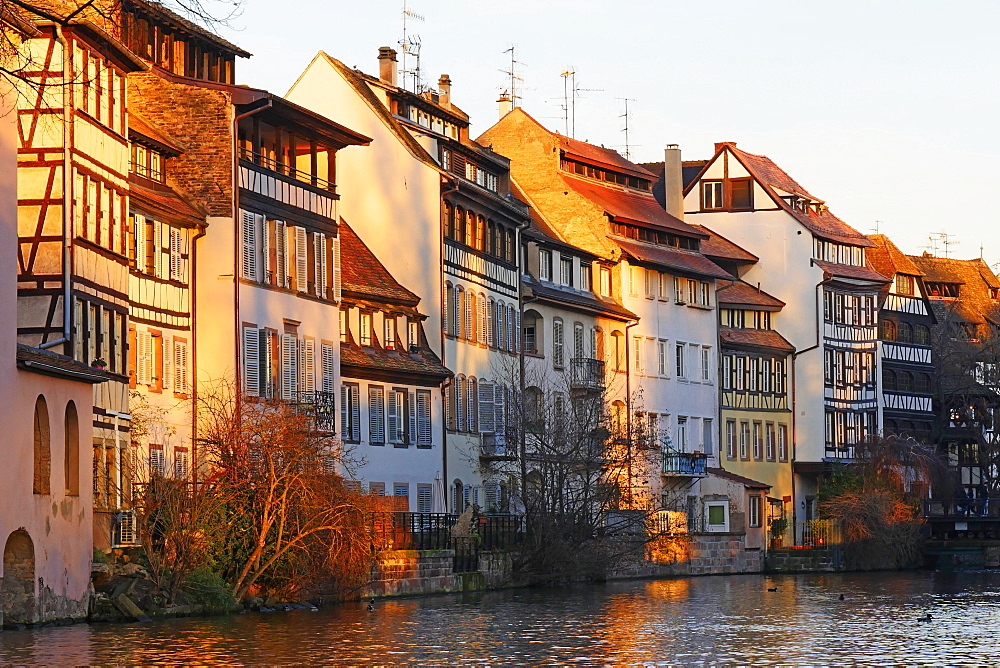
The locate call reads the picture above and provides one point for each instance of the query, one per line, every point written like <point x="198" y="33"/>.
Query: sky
<point x="887" y="110"/>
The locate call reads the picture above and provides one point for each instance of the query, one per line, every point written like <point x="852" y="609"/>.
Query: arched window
<point x="71" y="455"/>
<point x="618" y="350"/>
<point x="889" y="380"/>
<point x="905" y="333"/>
<point x="491" y="324"/>
<point x="491" y="237"/>
<point x="481" y="233"/>
<point x="449" y="406"/>
<point x="597" y="343"/>
<point x="534" y="417"/>
<point x="579" y="344"/>
<point x="470" y="229"/>
<point x="618" y="418"/>
<point x="513" y="329"/>
<point x="888" y="330"/>
<point x="448" y="221"/>
<point x="43" y="453"/>
<point x="459" y="306"/>
<point x="890" y="428"/>
<point x="531" y="332"/>
<point x="458" y="497"/>
<point x="459" y="224"/>
<point x="449" y="305"/>
<point x="905" y="428"/>
<point x="472" y="401"/>
<point x="904" y="381"/>
<point x="922" y="335"/>
<point x="558" y="344"/>
<point x="508" y="253"/>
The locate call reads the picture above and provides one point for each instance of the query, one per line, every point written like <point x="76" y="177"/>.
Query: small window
<point x="605" y="281"/>
<point x="711" y="195"/>
<point x="545" y="265"/>
<point x="566" y="271"/>
<point x="366" y="329"/>
<point x="585" y="269"/>
<point x="741" y="194"/>
<point x="754" y="511"/>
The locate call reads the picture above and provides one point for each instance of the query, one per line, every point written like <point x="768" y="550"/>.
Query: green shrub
<point x="206" y="587"/>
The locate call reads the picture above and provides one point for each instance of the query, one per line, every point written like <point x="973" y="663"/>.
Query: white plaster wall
<point x="216" y="331"/>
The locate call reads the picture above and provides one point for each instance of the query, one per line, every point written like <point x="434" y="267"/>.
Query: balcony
<point x="273" y="165"/>
<point x="493" y="447"/>
<point x="268" y="178"/>
<point x="586" y="374"/>
<point x="320" y="407"/>
<point x="684" y="464"/>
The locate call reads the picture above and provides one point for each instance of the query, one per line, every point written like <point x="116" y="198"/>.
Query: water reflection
<point x="712" y="619"/>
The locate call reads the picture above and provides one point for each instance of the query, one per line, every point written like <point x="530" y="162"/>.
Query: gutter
<point x="444" y="315"/>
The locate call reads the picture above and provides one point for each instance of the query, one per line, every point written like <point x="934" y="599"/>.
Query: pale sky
<point x="888" y="110"/>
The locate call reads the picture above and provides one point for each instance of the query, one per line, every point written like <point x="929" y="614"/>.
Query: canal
<point x="683" y="621"/>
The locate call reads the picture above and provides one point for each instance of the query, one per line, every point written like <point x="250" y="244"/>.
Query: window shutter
<point x="376" y="415"/>
<point x="309" y="365"/>
<point x="181" y="367"/>
<point x="139" y="228"/>
<point x="319" y="261"/>
<point x="460" y="405"/>
<point x="145" y="340"/>
<point x="344" y="426"/>
<point x="355" y="414"/>
<point x="157" y="249"/>
<point x="336" y="268"/>
<point x="499" y="417"/>
<point x="168" y="362"/>
<point x="423" y="418"/>
<point x="251" y="361"/>
<point x="281" y="253"/>
<point x="329" y="368"/>
<point x="175" y="254"/>
<point x="289" y="366"/>
<point x="393" y="417"/>
<point x="470" y="301"/>
<point x="264" y="229"/>
<point x="487" y="407"/>
<point x="266" y="364"/>
<point x="412" y="401"/>
<point x="491" y="328"/>
<point x="301" y="260"/>
<point x="483" y="315"/>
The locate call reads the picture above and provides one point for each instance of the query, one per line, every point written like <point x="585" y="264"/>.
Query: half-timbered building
<point x="905" y="354"/>
<point x="816" y="264"/>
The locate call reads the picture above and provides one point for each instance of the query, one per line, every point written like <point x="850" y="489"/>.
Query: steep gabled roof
<point x="886" y="258"/>
<point x="740" y="293"/>
<point x="974" y="303"/>
<point x="629" y="205"/>
<point x="175" y="20"/>
<point x="598" y="155"/>
<point x="755" y="338"/>
<point x="767" y="172"/>
<point x="362" y="275"/>
<point x="720" y="247"/>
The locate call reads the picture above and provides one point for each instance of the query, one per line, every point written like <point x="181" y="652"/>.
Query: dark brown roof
<point x="599" y="155"/>
<point x="159" y="199"/>
<point x="718" y="246"/>
<point x="746" y="482"/>
<point x="755" y="338"/>
<point x="888" y="260"/>
<point x="865" y="273"/>
<point x="422" y="362"/>
<point x="629" y="205"/>
<point x="673" y="258"/>
<point x="60" y="366"/>
<point x="766" y="171"/>
<point x="178" y="21"/>
<point x="578" y="299"/>
<point x="141" y="126"/>
<point x="362" y="275"/>
<point x="743" y="294"/>
<point x="974" y="303"/>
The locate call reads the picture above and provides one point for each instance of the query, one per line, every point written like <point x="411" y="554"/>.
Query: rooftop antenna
<point x="512" y="73"/>
<point x="626" y="100"/>
<point x="945" y="239"/>
<point x="876" y="226"/>
<point x="410" y="47"/>
<point x="570" y="93"/>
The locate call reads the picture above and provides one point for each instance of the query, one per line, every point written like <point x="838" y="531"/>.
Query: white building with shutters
<point x="391" y="418"/>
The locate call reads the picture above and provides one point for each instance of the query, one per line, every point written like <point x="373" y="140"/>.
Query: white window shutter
<point x="139" y="225"/>
<point x="336" y="269"/>
<point x="329" y="368"/>
<point x="157" y="249"/>
<point x="424" y="435"/>
<point x="393" y="417"/>
<point x="301" y="260"/>
<point x="309" y="365"/>
<point x="267" y="384"/>
<point x="265" y="230"/>
<point x="483" y="315"/>
<point x="168" y="362"/>
<point x="470" y="305"/>
<point x="412" y="401"/>
<point x="289" y="366"/>
<point x="486" y="407"/>
<point x="343" y="413"/>
<point x="181" y="367"/>
<point x="251" y="361"/>
<point x="175" y="254"/>
<point x="355" y="415"/>
<point x="499" y="418"/>
<point x="376" y="415"/>
<point x="146" y="358"/>
<point x="281" y="253"/>
<point x="319" y="262"/>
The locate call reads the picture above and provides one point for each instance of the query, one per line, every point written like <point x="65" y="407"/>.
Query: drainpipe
<point x="628" y="405"/>
<point x="237" y="223"/>
<point x="444" y="362"/>
<point x="522" y="443"/>
<point x="192" y="282"/>
<point x="794" y="358"/>
<point x="67" y="185"/>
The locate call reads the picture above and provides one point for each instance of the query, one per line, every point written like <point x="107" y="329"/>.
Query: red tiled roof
<point x="375" y="358"/>
<point x="363" y="275"/>
<point x="685" y="261"/>
<point x="826" y="225"/>
<point x="721" y="247"/>
<point x="575" y="148"/>
<point x="974" y="303"/>
<point x="742" y="293"/>
<point x="160" y="199"/>
<point x="758" y="338"/>
<point x="766" y="171"/>
<point x="746" y="482"/>
<point x="630" y="205"/>
<point x="865" y="273"/>
<point x="887" y="259"/>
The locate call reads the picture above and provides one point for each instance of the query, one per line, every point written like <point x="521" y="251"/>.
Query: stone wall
<point x="722" y="553"/>
<point x="413" y="572"/>
<point x="805" y="561"/>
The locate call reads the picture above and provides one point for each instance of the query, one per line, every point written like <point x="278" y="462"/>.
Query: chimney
<point x="506" y="104"/>
<point x="673" y="182"/>
<point x="444" y="91"/>
<point x="720" y="144"/>
<point x="387" y="65"/>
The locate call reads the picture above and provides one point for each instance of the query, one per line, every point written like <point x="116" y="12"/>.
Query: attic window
<point x="904" y="285"/>
<point x="604" y="174"/>
<point x="938" y="289"/>
<point x="147" y="162"/>
<point x="733" y="194"/>
<point x="711" y="195"/>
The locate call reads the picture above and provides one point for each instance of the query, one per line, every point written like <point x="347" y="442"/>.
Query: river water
<point x="716" y="619"/>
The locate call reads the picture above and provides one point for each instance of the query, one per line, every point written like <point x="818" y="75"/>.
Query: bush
<point x="206" y="587"/>
<point x="100" y="557"/>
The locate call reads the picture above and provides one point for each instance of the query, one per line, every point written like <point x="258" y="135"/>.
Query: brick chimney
<point x="505" y="103"/>
<point x="444" y="91"/>
<point x="387" y="65"/>
<point x="673" y="181"/>
<point x="720" y="144"/>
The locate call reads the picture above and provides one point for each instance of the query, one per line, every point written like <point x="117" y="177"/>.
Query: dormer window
<point x="733" y="194"/>
<point x="711" y="195"/>
<point x="904" y="285"/>
<point x="147" y="162"/>
<point x="605" y="174"/>
<point x="938" y="289"/>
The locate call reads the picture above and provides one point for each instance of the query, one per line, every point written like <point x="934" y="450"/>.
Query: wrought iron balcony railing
<point x="321" y="407"/>
<point x="684" y="464"/>
<point x="586" y="374"/>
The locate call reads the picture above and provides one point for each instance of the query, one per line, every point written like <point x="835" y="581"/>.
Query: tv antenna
<point x="875" y="228"/>
<point x="626" y="100"/>
<point x="570" y="93"/>
<point x="409" y="46"/>
<point x="512" y="73"/>
<point x="945" y="239"/>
